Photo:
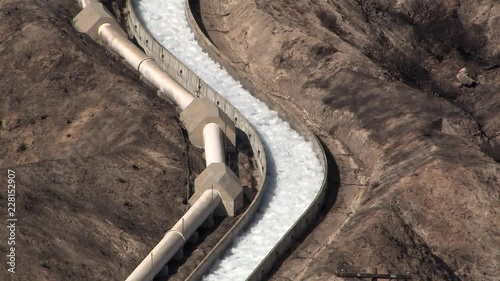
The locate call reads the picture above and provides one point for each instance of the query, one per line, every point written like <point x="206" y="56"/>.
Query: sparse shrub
<point x="329" y="21"/>
<point x="422" y="12"/>
<point x="374" y="184"/>
<point x="23" y="147"/>
<point x="492" y="149"/>
<point x="283" y="61"/>
<point x="122" y="180"/>
<point x="319" y="83"/>
<point x="321" y="51"/>
<point x="45" y="264"/>
<point x="301" y="9"/>
<point x="367" y="8"/>
<point x="371" y="7"/>
<point x="441" y="31"/>
<point x="427" y="130"/>
<point x="407" y="69"/>
<point x="403" y="67"/>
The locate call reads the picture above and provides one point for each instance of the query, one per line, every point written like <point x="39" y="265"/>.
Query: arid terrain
<point x="379" y="77"/>
<point x="102" y="164"/>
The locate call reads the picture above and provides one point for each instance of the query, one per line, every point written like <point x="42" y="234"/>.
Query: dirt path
<point x="349" y="192"/>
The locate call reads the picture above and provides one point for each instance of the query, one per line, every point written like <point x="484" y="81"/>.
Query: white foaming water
<point x="294" y="172"/>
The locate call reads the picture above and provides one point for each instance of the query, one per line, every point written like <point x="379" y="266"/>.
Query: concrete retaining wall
<point x="310" y="215"/>
<point x="199" y="88"/>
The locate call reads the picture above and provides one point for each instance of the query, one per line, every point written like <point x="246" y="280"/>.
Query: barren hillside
<point x="101" y="162"/>
<point x="380" y="77"/>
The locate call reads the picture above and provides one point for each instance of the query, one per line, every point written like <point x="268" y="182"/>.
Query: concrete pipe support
<point x="218" y="176"/>
<point x="202" y="112"/>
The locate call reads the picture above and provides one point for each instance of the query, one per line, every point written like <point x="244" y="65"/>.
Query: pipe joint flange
<point x="178" y="232"/>
<point x="143" y="60"/>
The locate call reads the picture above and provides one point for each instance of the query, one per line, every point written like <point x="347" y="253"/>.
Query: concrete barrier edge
<point x="199" y="88"/>
<point x="312" y="212"/>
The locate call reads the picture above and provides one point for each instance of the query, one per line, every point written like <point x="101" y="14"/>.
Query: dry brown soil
<point x="378" y="77"/>
<point x="102" y="164"/>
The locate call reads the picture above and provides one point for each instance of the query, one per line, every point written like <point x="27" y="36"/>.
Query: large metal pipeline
<point x="176" y="237"/>
<point x="146" y="66"/>
<point x="115" y="38"/>
<point x="214" y="148"/>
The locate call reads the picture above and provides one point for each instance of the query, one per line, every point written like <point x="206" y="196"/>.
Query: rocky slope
<point x="380" y="76"/>
<point x="101" y="162"/>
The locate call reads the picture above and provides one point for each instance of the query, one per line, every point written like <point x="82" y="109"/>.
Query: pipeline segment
<point x="175" y="238"/>
<point x="198" y="87"/>
<point x="100" y="25"/>
<point x="198" y="115"/>
<point x="214" y="148"/>
<point x="198" y="90"/>
<point x="149" y="43"/>
<point x="146" y="66"/>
